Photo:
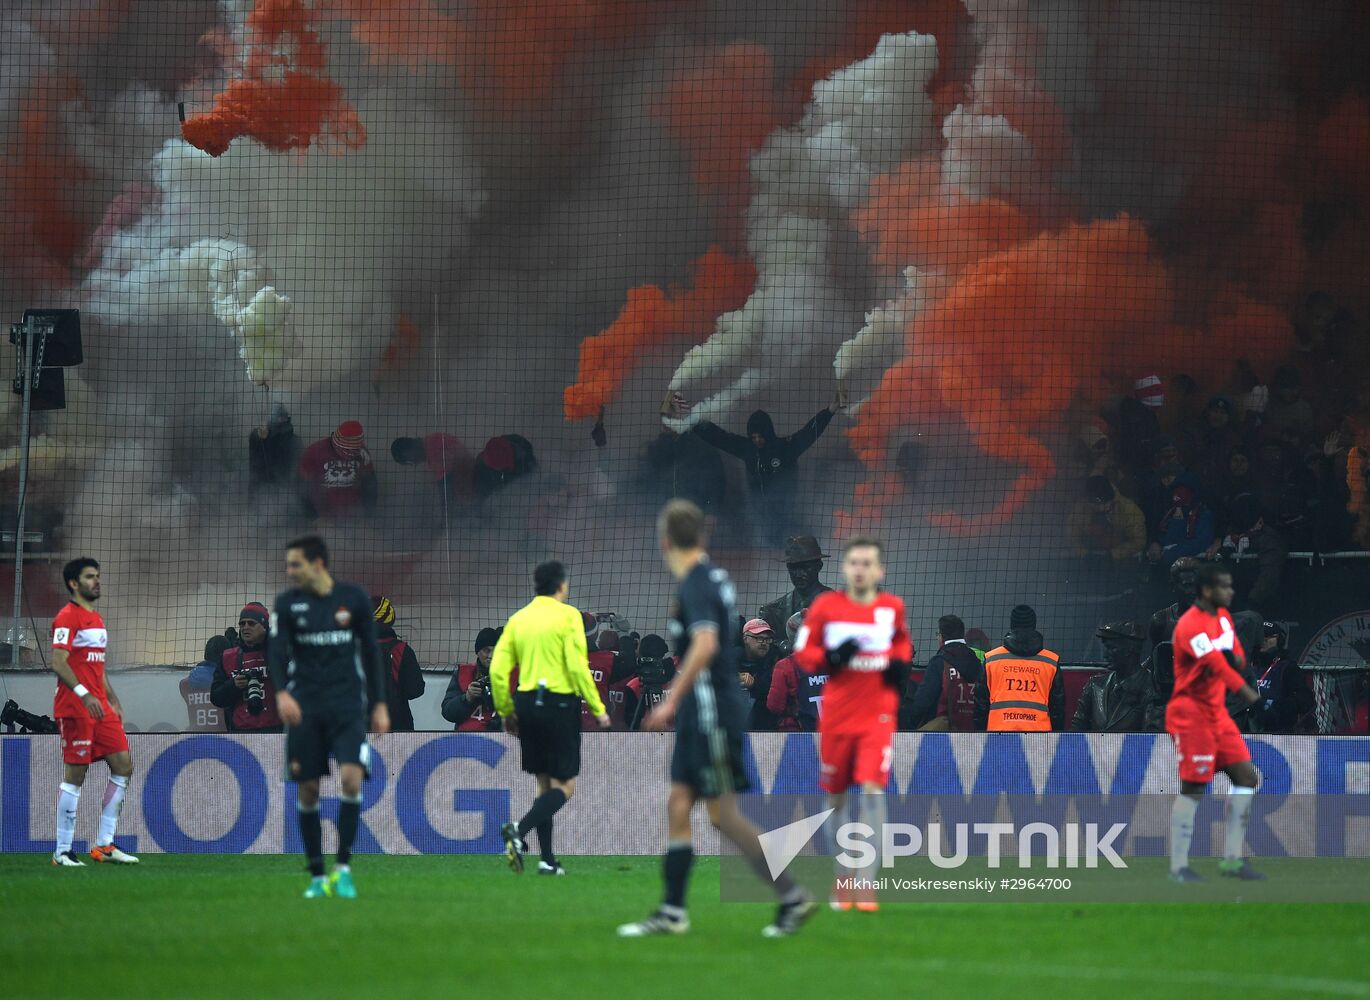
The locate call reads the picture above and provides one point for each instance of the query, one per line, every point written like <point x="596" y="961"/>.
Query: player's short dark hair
<point x="1207" y="575"/>
<point x="548" y="578"/>
<point x="312" y="547"/>
<point x="681" y="523"/>
<point x="951" y="627"/>
<point x="864" y="542"/>
<point x="72" y="571"/>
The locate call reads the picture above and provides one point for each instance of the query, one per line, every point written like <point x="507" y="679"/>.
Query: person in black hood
<point x="1023" y="643"/>
<point x="273" y="450"/>
<point x="771" y="460"/>
<point x="1119" y="700"/>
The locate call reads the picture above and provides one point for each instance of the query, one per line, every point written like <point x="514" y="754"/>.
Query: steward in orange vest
<point x="1023" y="690"/>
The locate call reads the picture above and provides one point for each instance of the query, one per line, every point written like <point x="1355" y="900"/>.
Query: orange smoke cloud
<point x="718" y="284"/>
<point x="39" y="180"/>
<point x="907" y="220"/>
<point x="284" y="99"/>
<point x="721" y="111"/>
<point x="1009" y="347"/>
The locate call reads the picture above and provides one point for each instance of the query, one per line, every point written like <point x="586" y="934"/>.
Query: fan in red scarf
<point x="857" y="637"/>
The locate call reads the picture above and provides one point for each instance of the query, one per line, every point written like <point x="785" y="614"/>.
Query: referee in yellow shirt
<point x="546" y="641"/>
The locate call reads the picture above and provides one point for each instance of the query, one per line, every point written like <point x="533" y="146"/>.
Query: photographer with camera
<point x="468" y="703"/>
<point x="241" y="686"/>
<point x="647" y="688"/>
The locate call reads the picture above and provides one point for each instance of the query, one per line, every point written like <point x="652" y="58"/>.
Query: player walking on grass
<point x="326" y="667"/>
<point x="859" y="639"/>
<point x="88" y="715"/>
<point x="545" y="640"/>
<point x="1208" y="660"/>
<point x="708" y="707"/>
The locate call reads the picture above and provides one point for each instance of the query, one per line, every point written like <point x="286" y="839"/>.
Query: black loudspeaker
<point x="58" y="348"/>
<point x="49" y="390"/>
<point x="63" y="346"/>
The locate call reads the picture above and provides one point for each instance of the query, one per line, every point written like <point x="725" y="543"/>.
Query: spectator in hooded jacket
<point x="403" y="676"/>
<point x="273" y="450"/>
<point x="771" y="460"/>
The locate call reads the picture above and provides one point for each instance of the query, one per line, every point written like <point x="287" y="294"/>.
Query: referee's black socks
<point x="544" y="807"/>
<point x="545" y="841"/>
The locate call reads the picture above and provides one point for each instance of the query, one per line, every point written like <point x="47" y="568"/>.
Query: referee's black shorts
<point x="325" y="732"/>
<point x="549" y="734"/>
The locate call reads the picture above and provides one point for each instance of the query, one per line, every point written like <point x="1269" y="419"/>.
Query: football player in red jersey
<point x="1208" y="661"/>
<point x="89" y="716"/>
<point x="857" y="637"/>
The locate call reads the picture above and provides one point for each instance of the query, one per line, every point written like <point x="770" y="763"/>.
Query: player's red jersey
<point x="856" y="699"/>
<point x="82" y="634"/>
<point x="1202" y="674"/>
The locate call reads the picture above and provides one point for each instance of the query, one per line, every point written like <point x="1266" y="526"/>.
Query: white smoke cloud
<point x="303" y="256"/>
<point x="880" y="343"/>
<point x="863" y="121"/>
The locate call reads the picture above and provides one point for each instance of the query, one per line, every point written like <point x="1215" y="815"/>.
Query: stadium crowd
<point x="952" y="690"/>
<point x="1257" y="466"/>
<point x="1170" y="472"/>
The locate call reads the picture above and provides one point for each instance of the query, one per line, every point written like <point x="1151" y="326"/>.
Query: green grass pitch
<point x="234" y="926"/>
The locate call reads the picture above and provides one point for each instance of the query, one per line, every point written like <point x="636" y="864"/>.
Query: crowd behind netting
<point x="1170" y="473"/>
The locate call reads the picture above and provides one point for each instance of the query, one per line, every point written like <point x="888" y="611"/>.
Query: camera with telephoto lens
<point x="653" y="670"/>
<point x="255" y="692"/>
<point x="481" y="685"/>
<point x="13" y="715"/>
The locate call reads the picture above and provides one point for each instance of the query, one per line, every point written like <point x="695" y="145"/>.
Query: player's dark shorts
<point x="322" y="733"/>
<point x="708" y="746"/>
<point x="549" y="734"/>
